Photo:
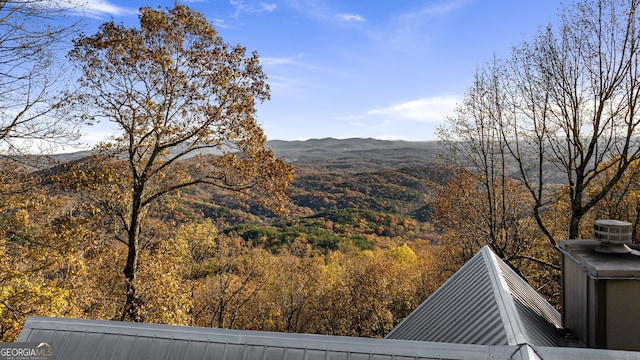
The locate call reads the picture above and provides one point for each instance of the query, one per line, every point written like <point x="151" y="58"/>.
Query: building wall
<point x="622" y="313"/>
<point x="574" y="300"/>
<point x="600" y="296"/>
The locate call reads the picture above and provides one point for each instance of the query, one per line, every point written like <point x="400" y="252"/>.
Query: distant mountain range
<point x="356" y="153"/>
<point x="342" y="153"/>
<point x="351" y="144"/>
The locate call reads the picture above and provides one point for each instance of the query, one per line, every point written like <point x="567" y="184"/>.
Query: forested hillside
<point x="214" y="258"/>
<point x="370" y="192"/>
<point x="345" y="191"/>
<point x="358" y="248"/>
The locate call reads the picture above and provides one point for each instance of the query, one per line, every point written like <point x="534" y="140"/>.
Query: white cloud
<point x="314" y="9"/>
<point x="96" y="8"/>
<point x="285" y="72"/>
<point x="282" y="82"/>
<point x="297" y="61"/>
<point x="219" y="23"/>
<point x="445" y="7"/>
<point x="351" y="17"/>
<point x="243" y="7"/>
<point x="415" y="27"/>
<point x="269" y="7"/>
<point x="277" y="61"/>
<point x="430" y="110"/>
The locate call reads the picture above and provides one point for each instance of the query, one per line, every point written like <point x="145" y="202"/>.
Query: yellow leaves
<point x="22" y="218"/>
<point x="334" y="268"/>
<point x="42" y="258"/>
<point x="402" y="253"/>
<point x="165" y="293"/>
<point x="178" y="249"/>
<point x="21" y="296"/>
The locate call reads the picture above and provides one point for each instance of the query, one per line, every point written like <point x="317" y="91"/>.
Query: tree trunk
<point x="574" y="227"/>
<point x="133" y="304"/>
<point x="577" y="208"/>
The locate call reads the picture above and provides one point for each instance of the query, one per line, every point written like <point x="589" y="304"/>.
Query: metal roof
<point x="75" y="339"/>
<point x="485" y="302"/>
<point x="101" y="340"/>
<point x="484" y="311"/>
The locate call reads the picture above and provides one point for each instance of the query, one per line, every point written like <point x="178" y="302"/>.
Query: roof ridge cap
<point x="511" y="321"/>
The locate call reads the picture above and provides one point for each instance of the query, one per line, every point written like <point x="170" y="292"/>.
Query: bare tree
<point x="31" y="34"/>
<point x="569" y="106"/>
<point x="483" y="203"/>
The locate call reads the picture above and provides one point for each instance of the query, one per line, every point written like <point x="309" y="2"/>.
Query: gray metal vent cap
<point x="613" y="235"/>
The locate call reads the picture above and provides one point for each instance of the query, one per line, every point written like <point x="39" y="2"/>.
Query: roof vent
<point x="613" y="236"/>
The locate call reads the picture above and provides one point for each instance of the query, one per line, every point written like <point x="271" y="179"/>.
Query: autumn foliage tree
<point x="469" y="220"/>
<point x="184" y="102"/>
<point x="41" y="252"/>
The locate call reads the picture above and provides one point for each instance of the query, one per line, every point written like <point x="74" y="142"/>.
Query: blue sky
<point x="387" y="69"/>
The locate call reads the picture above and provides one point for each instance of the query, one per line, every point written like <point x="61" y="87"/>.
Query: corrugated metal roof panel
<point x="462" y="310"/>
<point x="113" y="340"/>
<point x="485" y="302"/>
<point x="538" y="318"/>
<point x="101" y="340"/>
